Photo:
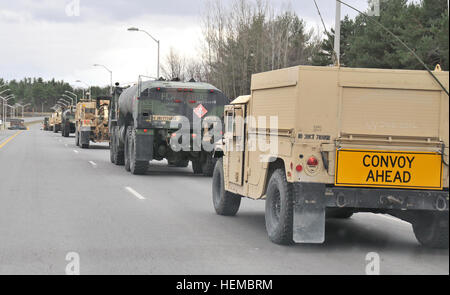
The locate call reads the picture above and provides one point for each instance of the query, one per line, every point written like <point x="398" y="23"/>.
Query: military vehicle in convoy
<point x="46" y="124"/>
<point x="346" y="141"/>
<point x="91" y="121"/>
<point x="17" y="124"/>
<point x="68" y="122"/>
<point x="143" y="124"/>
<point x="56" y="121"/>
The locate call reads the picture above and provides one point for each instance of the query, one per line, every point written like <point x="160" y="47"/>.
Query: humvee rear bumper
<point x="311" y="201"/>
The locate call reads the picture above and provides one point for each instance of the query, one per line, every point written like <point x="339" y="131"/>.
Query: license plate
<point x="362" y="168"/>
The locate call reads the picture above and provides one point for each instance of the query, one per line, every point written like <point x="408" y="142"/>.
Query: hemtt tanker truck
<point x="346" y="141"/>
<point x="141" y="129"/>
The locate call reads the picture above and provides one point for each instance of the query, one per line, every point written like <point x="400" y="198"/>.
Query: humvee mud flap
<point x="309" y="213"/>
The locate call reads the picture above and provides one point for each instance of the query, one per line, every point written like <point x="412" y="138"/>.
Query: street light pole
<point x="76" y="96"/>
<point x="110" y="76"/>
<point x="133" y="29"/>
<point x="337" y="34"/>
<point x="89" y="88"/>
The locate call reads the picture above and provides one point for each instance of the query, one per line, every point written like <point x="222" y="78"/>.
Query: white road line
<point x="134" y="193"/>
<point x="393" y="218"/>
<point x="75" y="151"/>
<point x="93" y="163"/>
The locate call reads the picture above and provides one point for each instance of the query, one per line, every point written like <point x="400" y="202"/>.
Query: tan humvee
<point x="346" y="141"/>
<point x="55" y="121"/>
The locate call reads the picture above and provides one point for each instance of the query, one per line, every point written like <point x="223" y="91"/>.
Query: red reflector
<point x="212" y="91"/>
<point x="137" y="98"/>
<point x="173" y="135"/>
<point x="177" y="100"/>
<point x="191" y="90"/>
<point x="186" y="90"/>
<point x="158" y="89"/>
<point x="179" y="89"/>
<point x="192" y="101"/>
<point x="299" y="168"/>
<point x="145" y="130"/>
<point x="194" y="135"/>
<point x="312" y="161"/>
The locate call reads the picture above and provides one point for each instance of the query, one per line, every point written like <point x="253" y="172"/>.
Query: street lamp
<point x="6" y="90"/>
<point x="5" y="107"/>
<point x="64" y="102"/>
<point x="89" y="87"/>
<point x="70" y="92"/>
<point x="23" y="107"/>
<point x="110" y="75"/>
<point x="133" y="29"/>
<point x="66" y="96"/>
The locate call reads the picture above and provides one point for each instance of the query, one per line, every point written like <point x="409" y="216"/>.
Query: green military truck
<point x="143" y="124"/>
<point x="68" y="122"/>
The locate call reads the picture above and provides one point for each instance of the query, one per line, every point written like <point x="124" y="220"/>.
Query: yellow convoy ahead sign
<point x="363" y="168"/>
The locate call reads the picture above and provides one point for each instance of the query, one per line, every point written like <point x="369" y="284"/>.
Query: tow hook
<point x="441" y="203"/>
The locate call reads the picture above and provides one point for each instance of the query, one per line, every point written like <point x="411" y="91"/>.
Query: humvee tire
<point x="431" y="229"/>
<point x="85" y="146"/>
<point x="197" y="166"/>
<point x="77" y="138"/>
<point x="225" y="203"/>
<point x="208" y="165"/>
<point x="127" y="150"/>
<point x="279" y="209"/>
<point x="54" y="129"/>
<point x="136" y="167"/>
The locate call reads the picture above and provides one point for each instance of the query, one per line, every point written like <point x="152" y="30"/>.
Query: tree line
<point x="248" y="36"/>
<point x="41" y="94"/>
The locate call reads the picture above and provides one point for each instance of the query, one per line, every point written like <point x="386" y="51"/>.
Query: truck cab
<point x="317" y="142"/>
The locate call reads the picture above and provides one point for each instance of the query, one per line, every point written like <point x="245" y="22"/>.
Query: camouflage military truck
<point x="346" y="141"/>
<point x="142" y="124"/>
<point x="90" y="121"/>
<point x="68" y="122"/>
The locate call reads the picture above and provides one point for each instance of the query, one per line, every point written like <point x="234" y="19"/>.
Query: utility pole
<point x="337" y="34"/>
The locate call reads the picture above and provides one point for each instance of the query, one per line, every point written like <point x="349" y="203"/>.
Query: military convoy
<point x="313" y="142"/>
<point x="341" y="141"/>
<point x="91" y="121"/>
<point x="143" y="124"/>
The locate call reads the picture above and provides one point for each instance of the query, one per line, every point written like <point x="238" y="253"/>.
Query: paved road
<point x="56" y="198"/>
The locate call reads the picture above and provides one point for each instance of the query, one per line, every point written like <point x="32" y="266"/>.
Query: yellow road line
<point x="9" y="139"/>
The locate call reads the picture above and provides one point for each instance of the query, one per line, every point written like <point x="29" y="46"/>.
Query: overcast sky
<point x="47" y="38"/>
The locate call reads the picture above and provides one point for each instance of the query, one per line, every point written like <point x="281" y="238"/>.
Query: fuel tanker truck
<point x="143" y="124"/>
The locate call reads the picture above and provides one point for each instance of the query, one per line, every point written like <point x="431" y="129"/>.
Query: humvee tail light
<point x="177" y="100"/>
<point x="299" y="168"/>
<point x="192" y="101"/>
<point x="313" y="161"/>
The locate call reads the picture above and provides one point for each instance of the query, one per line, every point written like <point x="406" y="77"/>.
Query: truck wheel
<point x="112" y="152"/>
<point x="180" y="163"/>
<point x="197" y="166"/>
<point x="85" y="146"/>
<point x="54" y="129"/>
<point x="225" y="203"/>
<point x="136" y="167"/>
<point x="279" y="209"/>
<point x="77" y="138"/>
<point x="127" y="149"/>
<point x="208" y="165"/>
<point x="431" y="229"/>
<point x="118" y="156"/>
